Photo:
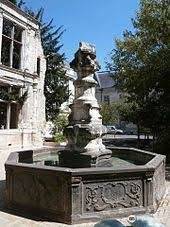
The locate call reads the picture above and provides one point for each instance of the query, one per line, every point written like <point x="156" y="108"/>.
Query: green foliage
<point x="56" y="81"/>
<point x="13" y="1"/>
<point x="141" y="65"/>
<point x="118" y="111"/>
<point x="162" y="144"/>
<point x="110" y="114"/>
<point x="59" y="137"/>
<point x="60" y="122"/>
<point x="13" y="96"/>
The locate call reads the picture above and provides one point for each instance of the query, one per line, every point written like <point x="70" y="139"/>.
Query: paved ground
<point x="10" y="220"/>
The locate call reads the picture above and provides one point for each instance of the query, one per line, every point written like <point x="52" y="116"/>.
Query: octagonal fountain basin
<point x="38" y="185"/>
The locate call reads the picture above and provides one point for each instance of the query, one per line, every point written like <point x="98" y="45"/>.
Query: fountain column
<point x="84" y="131"/>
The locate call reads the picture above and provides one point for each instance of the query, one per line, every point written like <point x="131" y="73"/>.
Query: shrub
<point x="59" y="137"/>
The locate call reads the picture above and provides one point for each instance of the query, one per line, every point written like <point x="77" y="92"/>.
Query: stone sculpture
<point x="85" y="147"/>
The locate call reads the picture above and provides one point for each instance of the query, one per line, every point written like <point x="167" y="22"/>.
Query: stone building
<point x="71" y="75"/>
<point x="22" y="72"/>
<point x="105" y="91"/>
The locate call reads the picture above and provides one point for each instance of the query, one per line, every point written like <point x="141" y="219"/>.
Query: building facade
<point x="105" y="90"/>
<point x="72" y="76"/>
<point x="22" y="72"/>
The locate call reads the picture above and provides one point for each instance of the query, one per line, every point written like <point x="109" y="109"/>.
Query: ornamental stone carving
<point x="85" y="147"/>
<point x="113" y="195"/>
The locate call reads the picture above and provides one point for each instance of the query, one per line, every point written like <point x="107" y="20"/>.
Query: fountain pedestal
<point x="85" y="147"/>
<point x="67" y="193"/>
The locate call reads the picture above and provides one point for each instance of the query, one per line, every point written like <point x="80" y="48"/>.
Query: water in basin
<point x="52" y="159"/>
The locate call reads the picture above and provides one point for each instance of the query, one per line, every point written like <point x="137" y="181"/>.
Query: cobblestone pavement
<point x="10" y="220"/>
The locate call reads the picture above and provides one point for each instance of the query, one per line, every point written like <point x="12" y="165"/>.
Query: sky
<point x="99" y="22"/>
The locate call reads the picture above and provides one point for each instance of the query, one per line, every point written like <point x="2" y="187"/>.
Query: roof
<point x="18" y="10"/>
<point x="105" y="79"/>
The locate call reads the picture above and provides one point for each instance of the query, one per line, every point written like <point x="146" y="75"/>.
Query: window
<point x="14" y="116"/>
<point x="107" y="99"/>
<point x="11" y="44"/>
<point x="3" y="115"/>
<point x="8" y="107"/>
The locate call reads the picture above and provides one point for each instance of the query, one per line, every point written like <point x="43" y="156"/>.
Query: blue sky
<point x="96" y="21"/>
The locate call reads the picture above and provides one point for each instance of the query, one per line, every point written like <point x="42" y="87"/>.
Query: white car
<point x="111" y="129"/>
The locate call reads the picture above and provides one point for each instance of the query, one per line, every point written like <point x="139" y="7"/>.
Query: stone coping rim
<point x="81" y="171"/>
<point x="157" y="159"/>
<point x="133" y="149"/>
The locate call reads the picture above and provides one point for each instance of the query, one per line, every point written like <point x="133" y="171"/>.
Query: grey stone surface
<point x="78" y="195"/>
<point x="6" y="219"/>
<point x="85" y="123"/>
<point x="31" y="119"/>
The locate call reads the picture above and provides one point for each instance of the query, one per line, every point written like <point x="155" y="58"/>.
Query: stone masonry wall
<point x="32" y="115"/>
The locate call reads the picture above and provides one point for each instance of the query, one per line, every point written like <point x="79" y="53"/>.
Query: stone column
<point x="35" y="136"/>
<point x="85" y="147"/>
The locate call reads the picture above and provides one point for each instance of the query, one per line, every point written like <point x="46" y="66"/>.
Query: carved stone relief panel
<point x="113" y="195"/>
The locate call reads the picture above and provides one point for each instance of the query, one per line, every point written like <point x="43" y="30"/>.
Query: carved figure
<point x="85" y="147"/>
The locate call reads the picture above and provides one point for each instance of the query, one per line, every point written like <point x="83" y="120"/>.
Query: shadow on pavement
<point x="2" y="194"/>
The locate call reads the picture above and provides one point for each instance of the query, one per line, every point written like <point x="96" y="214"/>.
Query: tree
<point x="117" y="111"/>
<point x="56" y="81"/>
<point x="109" y="113"/>
<point x="13" y="1"/>
<point x="141" y="65"/>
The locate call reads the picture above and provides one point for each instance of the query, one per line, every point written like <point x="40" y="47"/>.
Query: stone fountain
<point x="86" y="181"/>
<point x="85" y="147"/>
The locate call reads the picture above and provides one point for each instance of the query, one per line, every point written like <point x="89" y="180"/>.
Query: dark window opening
<point x="9" y="110"/>
<point x="3" y="88"/>
<point x="107" y="99"/>
<point x="4" y="92"/>
<point x="17" y="33"/>
<point x="15" y="90"/>
<point x="3" y="115"/>
<point x="6" y="50"/>
<point x="38" y="65"/>
<point x="16" y="55"/>
<point x="7" y="28"/>
<point x="11" y="44"/>
<point x="14" y="116"/>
